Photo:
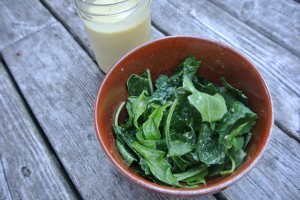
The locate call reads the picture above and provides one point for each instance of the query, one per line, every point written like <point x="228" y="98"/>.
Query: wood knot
<point x="90" y="137"/>
<point x="26" y="171"/>
<point x="247" y="10"/>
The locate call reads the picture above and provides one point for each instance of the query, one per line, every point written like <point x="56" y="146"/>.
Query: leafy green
<point x="211" y="107"/>
<point x="185" y="129"/>
<point x="208" y="149"/>
<point x="237" y="93"/>
<point x="138" y="107"/>
<point x="128" y="157"/>
<point x="136" y="84"/>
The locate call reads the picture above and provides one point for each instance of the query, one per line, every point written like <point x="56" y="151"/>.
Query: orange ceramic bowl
<point x="161" y="57"/>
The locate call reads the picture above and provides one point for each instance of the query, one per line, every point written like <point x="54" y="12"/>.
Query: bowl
<point x="161" y="57"/>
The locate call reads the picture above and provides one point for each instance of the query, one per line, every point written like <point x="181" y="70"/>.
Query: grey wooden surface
<point x="45" y="48"/>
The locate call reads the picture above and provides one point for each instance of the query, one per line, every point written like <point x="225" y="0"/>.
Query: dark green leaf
<point x="136" y="84"/>
<point x="197" y="179"/>
<point x="138" y="107"/>
<point x="180" y="163"/>
<point x="190" y="173"/>
<point x="160" y="80"/>
<point x="237" y="93"/>
<point x="128" y="157"/>
<point x="179" y="148"/>
<point x="208" y="149"/>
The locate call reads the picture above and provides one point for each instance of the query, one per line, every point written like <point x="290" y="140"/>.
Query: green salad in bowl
<point x="183" y="129"/>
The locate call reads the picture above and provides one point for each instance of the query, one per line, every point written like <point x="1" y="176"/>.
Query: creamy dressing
<point x="112" y="36"/>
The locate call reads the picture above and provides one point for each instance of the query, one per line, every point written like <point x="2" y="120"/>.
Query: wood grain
<point x="66" y="13"/>
<point x="276" y="176"/>
<point x="275" y="60"/>
<point x="278" y="20"/>
<point x="28" y="169"/>
<point x="20" y="18"/>
<point x="198" y="18"/>
<point x="59" y="82"/>
<point x="4" y="188"/>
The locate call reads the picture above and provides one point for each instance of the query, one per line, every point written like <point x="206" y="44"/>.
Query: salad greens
<point x="184" y="128"/>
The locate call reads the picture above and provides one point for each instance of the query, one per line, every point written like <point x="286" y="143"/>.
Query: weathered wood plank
<point x="59" y="82"/>
<point x="4" y="189"/>
<point x="20" y="18"/>
<point x="276" y="175"/>
<point x="65" y="11"/>
<point x="278" y="20"/>
<point x="199" y="18"/>
<point x="28" y="169"/>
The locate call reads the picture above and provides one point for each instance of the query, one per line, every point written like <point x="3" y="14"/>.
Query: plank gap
<point x="220" y="196"/>
<point x="77" y="39"/>
<point x="260" y="31"/>
<point x="40" y="130"/>
<point x="287" y="131"/>
<point x="164" y="32"/>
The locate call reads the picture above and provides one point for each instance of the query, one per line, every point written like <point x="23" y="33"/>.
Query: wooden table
<point x="49" y="79"/>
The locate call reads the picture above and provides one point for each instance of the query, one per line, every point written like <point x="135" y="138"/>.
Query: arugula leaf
<point x="136" y="84"/>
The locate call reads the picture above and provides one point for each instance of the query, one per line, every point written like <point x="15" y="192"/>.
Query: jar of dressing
<point x="115" y="27"/>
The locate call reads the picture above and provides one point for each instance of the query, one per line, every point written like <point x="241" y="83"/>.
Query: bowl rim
<point x="168" y="190"/>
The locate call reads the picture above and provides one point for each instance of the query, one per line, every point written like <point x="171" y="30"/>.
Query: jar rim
<point x="103" y="4"/>
<point x="106" y="5"/>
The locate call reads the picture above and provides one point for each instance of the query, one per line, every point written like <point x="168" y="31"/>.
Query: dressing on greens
<point x="185" y="128"/>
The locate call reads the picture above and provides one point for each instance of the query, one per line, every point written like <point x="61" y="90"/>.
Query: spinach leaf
<point x="197" y="179"/>
<point x="208" y="148"/>
<point x="160" y="80"/>
<point x="150" y="130"/>
<point x="179" y="163"/>
<point x="150" y="127"/>
<point x="189" y="66"/>
<point x="168" y="122"/>
<point x="190" y="173"/>
<point x="179" y="148"/>
<point x="229" y="139"/>
<point x="128" y="157"/>
<point x="237" y="93"/>
<point x="136" y="84"/>
<point x="139" y="105"/>
<point x="237" y="114"/>
<point x="159" y="167"/>
<point x="211" y="107"/>
<point x="152" y="144"/>
<point x="184" y="131"/>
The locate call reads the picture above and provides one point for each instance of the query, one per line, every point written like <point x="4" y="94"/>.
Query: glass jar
<point x="115" y="27"/>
